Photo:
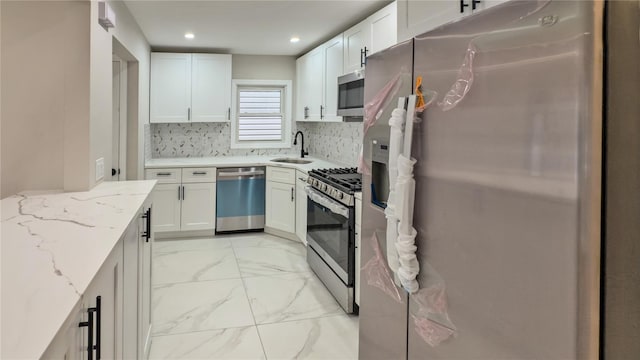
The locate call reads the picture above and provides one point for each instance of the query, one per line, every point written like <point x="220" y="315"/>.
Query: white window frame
<point x="287" y="106"/>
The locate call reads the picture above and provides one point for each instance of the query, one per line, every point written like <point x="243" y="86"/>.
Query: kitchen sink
<point x="292" y="161"/>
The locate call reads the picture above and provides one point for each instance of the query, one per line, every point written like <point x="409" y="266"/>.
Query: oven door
<point x="330" y="233"/>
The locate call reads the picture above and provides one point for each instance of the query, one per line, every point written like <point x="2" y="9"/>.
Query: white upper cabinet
<point x="170" y="87"/>
<point x="357" y="41"/>
<point x="314" y="71"/>
<point x="211" y="87"/>
<point x="301" y="86"/>
<point x="333" y="59"/>
<point x="317" y="89"/>
<point x="377" y="32"/>
<point x="417" y="16"/>
<point x="384" y="29"/>
<point x="190" y="87"/>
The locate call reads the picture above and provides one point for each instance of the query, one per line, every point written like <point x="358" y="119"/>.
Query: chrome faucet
<point x="295" y="142"/>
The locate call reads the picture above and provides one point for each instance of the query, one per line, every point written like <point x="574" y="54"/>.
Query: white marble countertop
<point x="53" y="244"/>
<point x="230" y="161"/>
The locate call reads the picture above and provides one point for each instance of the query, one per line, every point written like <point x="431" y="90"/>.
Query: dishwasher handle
<point x="236" y="174"/>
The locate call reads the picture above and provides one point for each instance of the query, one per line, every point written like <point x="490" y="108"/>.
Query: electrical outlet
<point x="99" y="169"/>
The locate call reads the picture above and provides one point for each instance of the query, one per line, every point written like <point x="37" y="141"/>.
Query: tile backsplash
<point x="337" y="142"/>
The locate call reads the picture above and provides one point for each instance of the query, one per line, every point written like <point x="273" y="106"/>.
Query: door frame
<point x="122" y="143"/>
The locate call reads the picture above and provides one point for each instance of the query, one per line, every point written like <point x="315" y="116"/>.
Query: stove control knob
<point x="315" y="182"/>
<point x="324" y="187"/>
<point x="340" y="195"/>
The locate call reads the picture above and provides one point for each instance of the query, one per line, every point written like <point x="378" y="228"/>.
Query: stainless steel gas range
<point x="331" y="230"/>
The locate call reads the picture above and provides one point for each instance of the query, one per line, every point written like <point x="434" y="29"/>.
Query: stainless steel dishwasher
<point x="240" y="194"/>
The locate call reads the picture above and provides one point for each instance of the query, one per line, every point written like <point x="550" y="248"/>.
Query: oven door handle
<point x="325" y="201"/>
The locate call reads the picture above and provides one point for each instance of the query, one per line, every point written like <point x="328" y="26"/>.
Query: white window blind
<point x="260" y="114"/>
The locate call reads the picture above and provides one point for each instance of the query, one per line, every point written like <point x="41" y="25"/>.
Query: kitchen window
<point x="261" y="114"/>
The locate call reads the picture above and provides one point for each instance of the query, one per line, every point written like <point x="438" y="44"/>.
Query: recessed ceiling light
<point x="189" y="36"/>
<point x="295" y="39"/>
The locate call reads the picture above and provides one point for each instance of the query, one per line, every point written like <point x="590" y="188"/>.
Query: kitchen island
<point x="53" y="245"/>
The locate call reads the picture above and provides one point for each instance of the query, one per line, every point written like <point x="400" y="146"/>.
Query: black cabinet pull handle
<point x="292" y="190"/>
<point x="183" y="193"/>
<point x="98" y="310"/>
<point x="147" y="217"/>
<point x="463" y="5"/>
<point x="163" y="174"/>
<point x="179" y="192"/>
<point x="474" y="3"/>
<point x="199" y="173"/>
<point x="321" y="110"/>
<point x="89" y="325"/>
<point x="189" y="114"/>
<point x="364" y="63"/>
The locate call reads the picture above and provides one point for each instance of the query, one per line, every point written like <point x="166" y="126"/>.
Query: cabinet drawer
<point x="199" y="175"/>
<point x="301" y="176"/>
<point x="281" y="175"/>
<point x="164" y="176"/>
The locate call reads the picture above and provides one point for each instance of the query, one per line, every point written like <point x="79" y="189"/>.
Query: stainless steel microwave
<point x="351" y="94"/>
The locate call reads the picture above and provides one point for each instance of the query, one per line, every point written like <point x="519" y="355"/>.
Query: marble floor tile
<point x="194" y="265"/>
<point x="167" y="246"/>
<point x="334" y="337"/>
<point x="271" y="260"/>
<point x="288" y="297"/>
<point x="232" y="343"/>
<point x="203" y="305"/>
<point x="263" y="240"/>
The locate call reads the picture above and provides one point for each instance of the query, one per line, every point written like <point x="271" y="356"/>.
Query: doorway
<point x="119" y="113"/>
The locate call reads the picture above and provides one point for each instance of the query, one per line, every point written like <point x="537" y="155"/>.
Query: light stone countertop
<point x="233" y="161"/>
<point x="53" y="244"/>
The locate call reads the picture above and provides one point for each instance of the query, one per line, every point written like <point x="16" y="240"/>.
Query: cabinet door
<point x="170" y="88"/>
<point x="416" y="16"/>
<point x="281" y="207"/>
<point x="107" y="285"/>
<point x="131" y="243"/>
<point x="210" y="88"/>
<point x="315" y="76"/>
<point x="355" y="40"/>
<point x="199" y="206"/>
<point x="384" y="28"/>
<point x="68" y="341"/>
<point x="301" y="208"/>
<point x="301" y="87"/>
<point x="145" y="249"/>
<point x="166" y="213"/>
<point x="333" y="65"/>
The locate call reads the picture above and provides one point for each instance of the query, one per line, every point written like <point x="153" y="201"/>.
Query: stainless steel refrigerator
<point x="508" y="188"/>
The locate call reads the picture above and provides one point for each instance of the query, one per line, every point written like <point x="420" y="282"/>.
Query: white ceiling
<point x="261" y="27"/>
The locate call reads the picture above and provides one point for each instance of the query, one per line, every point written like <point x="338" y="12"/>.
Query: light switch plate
<point x="99" y="169"/>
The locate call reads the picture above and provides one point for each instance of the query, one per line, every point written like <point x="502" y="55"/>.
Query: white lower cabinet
<point x="116" y="305"/>
<point x="166" y="215"/>
<point x="184" y="202"/>
<point x="198" y="206"/>
<point x="137" y="287"/>
<point x="281" y="206"/>
<point x="301" y="206"/>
